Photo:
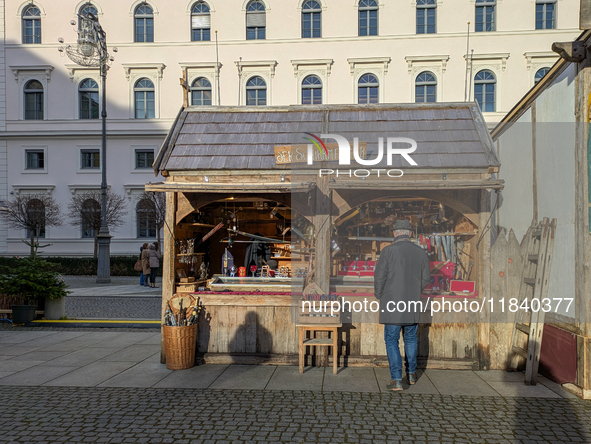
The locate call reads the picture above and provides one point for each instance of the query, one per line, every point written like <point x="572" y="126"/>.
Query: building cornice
<point x="17" y="70"/>
<point x="268" y="64"/>
<point x="311" y="62"/>
<point x="438" y="59"/>
<point x="557" y="33"/>
<point x="128" y="67"/>
<point x="356" y="61"/>
<point x="47" y="189"/>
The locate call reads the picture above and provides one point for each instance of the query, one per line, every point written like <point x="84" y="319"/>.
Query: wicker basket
<point x="179" y="344"/>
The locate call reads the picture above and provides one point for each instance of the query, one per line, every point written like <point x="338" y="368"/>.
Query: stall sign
<point x="299" y="153"/>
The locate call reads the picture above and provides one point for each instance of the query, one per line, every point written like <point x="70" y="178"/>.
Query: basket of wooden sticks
<point x="179" y="332"/>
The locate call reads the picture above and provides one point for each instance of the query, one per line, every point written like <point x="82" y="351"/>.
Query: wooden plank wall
<point x="247" y="329"/>
<point x="269" y="330"/>
<point x="506" y="275"/>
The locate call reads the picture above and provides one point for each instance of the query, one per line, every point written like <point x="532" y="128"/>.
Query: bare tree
<point x="32" y="212"/>
<point x="153" y="205"/>
<point x="84" y="210"/>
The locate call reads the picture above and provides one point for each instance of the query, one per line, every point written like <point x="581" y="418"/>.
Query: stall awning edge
<point x="269" y="187"/>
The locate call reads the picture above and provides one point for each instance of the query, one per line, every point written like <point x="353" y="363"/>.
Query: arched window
<point x="256" y="92"/>
<point x="368" y="89"/>
<point x="426" y="17"/>
<point x="145" y="105"/>
<point x="200" y="23"/>
<point x="486" y="15"/>
<point x="484" y="90"/>
<point x="256" y="20"/>
<point x="545" y="14"/>
<point x="32" y="25"/>
<point x="88" y="93"/>
<point x="425" y="88"/>
<point x="312" y="91"/>
<point x="90" y="217"/>
<point x="201" y="92"/>
<point x="33" y="100"/>
<point x="540" y="73"/>
<point x="368" y="17"/>
<point x="145" y="211"/>
<point x="88" y="8"/>
<point x="36" y="218"/>
<point x="144" y="23"/>
<point x="311" y="19"/>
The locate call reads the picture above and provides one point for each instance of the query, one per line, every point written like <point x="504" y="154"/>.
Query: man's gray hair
<point x="401" y="233"/>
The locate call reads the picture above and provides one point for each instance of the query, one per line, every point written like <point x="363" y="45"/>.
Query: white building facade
<point x="269" y="52"/>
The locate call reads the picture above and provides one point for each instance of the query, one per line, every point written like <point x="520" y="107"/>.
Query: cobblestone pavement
<point x="127" y="415"/>
<point x="113" y="307"/>
<point x="123" y="298"/>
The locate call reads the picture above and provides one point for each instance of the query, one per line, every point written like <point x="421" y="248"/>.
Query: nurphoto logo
<point x="344" y="149"/>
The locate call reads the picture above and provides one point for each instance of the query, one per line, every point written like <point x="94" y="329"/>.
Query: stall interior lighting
<point x="206" y="178"/>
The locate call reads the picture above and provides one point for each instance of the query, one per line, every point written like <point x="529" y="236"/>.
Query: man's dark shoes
<point x="412" y="378"/>
<point x="394" y="385"/>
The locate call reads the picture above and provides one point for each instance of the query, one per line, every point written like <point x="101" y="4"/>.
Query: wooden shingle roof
<point x="448" y="135"/>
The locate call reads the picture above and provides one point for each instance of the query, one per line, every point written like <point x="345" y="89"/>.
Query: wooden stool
<point x="319" y="342"/>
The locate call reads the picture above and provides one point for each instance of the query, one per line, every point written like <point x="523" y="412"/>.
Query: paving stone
<point x="82" y="357"/>
<point x="201" y="376"/>
<point x="518" y="389"/>
<point x="16" y="366"/>
<point x="21" y="337"/>
<point x="91" y="375"/>
<point x="450" y="382"/>
<point x="289" y="378"/>
<point x="140" y="375"/>
<point x="351" y="379"/>
<point x="133" y="353"/>
<point x="39" y="355"/>
<point x="253" y="377"/>
<point x="37" y="375"/>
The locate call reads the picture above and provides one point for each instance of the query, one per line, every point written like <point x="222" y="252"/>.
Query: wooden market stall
<point x="244" y="168"/>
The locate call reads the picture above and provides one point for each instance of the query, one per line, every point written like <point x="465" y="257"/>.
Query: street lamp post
<point x="91" y="50"/>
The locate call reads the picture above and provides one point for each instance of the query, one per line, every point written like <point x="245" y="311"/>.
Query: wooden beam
<point x="235" y="187"/>
<point x="168" y="260"/>
<point x="322" y="224"/>
<point x="485" y="281"/>
<point x="396" y="184"/>
<point x="350" y="360"/>
<point x="275" y="300"/>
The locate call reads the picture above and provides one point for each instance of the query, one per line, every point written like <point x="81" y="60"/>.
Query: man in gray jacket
<point x="401" y="274"/>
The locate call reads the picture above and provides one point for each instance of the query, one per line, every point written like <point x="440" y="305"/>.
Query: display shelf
<point x="189" y="254"/>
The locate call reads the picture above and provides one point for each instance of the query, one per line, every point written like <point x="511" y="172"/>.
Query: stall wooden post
<point x="322" y="226"/>
<point x="485" y="281"/>
<point x="322" y="252"/>
<point x="168" y="259"/>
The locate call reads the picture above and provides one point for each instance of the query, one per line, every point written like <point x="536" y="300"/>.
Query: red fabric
<point x="558" y="355"/>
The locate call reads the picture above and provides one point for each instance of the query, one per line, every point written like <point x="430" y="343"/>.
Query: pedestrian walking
<point x="142" y="248"/>
<point x="154" y="259"/>
<point x="401" y="275"/>
<point x="146" y="264"/>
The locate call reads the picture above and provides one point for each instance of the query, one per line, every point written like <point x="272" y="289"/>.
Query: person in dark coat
<point x="401" y="275"/>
